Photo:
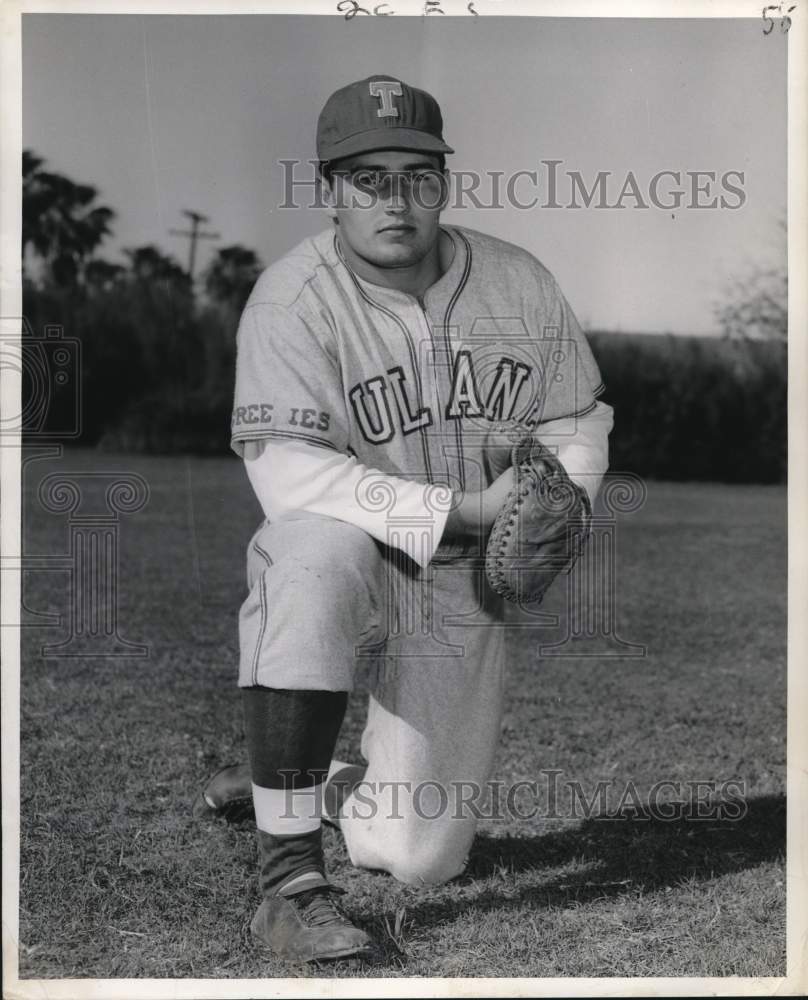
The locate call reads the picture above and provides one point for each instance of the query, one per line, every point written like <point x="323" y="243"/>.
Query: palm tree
<point x="101" y="275"/>
<point x="60" y="221"/>
<point x="231" y="275"/>
<point x="149" y="265"/>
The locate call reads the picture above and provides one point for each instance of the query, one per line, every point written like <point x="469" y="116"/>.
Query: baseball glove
<point x="540" y="529"/>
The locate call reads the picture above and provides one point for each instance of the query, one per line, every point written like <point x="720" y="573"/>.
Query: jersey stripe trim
<point x="262" y="630"/>
<point x="263" y="553"/>
<point x="296" y="435"/>
<point x="419" y="392"/>
<point x="264" y="611"/>
<point x="575" y="413"/>
<point x="447" y="344"/>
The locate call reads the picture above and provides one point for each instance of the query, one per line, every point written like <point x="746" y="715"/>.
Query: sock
<point x="287" y="865"/>
<point x="291" y="735"/>
<point x="285" y="811"/>
<point x="290" y="739"/>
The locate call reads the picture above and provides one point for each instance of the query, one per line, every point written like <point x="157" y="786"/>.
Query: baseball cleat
<point x="228" y="794"/>
<point x="309" y="926"/>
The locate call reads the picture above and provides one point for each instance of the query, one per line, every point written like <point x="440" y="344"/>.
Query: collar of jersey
<point x="445" y="283"/>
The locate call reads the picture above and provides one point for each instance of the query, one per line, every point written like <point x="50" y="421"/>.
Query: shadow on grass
<point x="599" y="859"/>
<point x="609" y="856"/>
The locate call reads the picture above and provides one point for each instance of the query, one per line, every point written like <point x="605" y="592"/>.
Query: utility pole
<point x="194" y="234"/>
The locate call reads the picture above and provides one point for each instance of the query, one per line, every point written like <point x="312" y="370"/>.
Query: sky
<point x="165" y="113"/>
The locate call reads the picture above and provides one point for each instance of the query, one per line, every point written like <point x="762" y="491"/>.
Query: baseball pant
<point x="325" y="599"/>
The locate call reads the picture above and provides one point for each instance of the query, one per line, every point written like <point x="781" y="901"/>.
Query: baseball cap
<point x="379" y="112"/>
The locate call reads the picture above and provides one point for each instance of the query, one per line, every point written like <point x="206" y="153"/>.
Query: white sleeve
<point x="292" y="476"/>
<point x="582" y="445"/>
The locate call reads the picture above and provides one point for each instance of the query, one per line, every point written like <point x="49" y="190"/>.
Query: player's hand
<point x="500" y="439"/>
<point x="476" y="512"/>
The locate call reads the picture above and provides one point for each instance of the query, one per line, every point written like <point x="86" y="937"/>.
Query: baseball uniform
<point x="376" y="387"/>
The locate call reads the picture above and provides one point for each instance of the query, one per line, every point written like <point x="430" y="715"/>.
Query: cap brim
<point x="384" y="138"/>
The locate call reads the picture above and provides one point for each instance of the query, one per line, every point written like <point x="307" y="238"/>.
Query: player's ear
<point x="328" y="196"/>
<point x="446" y="183"/>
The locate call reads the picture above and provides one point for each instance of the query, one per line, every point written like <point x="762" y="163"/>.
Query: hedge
<point x="157" y="376"/>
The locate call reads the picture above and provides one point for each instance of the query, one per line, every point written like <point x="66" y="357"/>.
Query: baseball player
<point x="379" y="364"/>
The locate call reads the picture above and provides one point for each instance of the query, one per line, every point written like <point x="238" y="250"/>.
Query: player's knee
<point x="318" y="580"/>
<point x="410" y="856"/>
<point x="426" y="865"/>
<point x="337" y="546"/>
<point x="324" y="556"/>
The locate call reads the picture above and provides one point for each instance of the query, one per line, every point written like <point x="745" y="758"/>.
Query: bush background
<point x="158" y="368"/>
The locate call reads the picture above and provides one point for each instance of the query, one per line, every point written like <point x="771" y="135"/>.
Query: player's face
<point x="387" y="206"/>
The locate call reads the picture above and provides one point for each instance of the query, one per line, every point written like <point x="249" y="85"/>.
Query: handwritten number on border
<point x="350" y="8"/>
<point x="777" y="9"/>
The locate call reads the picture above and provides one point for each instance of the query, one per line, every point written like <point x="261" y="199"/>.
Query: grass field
<point x="118" y="881"/>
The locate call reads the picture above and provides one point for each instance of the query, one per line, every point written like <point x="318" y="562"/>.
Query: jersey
<point x="409" y="388"/>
